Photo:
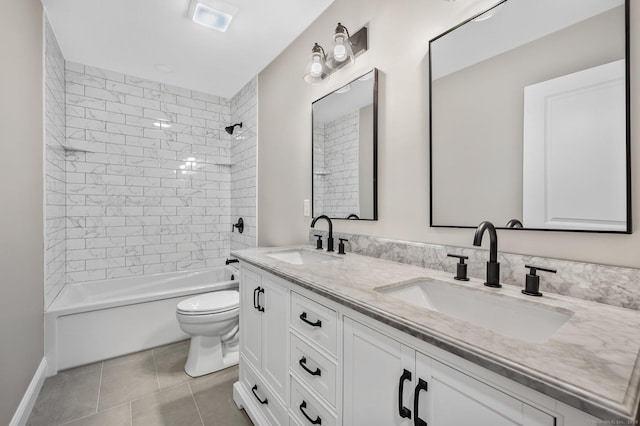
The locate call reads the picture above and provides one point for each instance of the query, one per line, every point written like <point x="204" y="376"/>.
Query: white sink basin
<point x="301" y="256"/>
<point x="501" y="314"/>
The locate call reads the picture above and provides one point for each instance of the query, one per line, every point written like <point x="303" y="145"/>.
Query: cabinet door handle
<point x="303" y="364"/>
<point x="303" y="317"/>
<point x="422" y="385"/>
<point x="317" y="421"/>
<point x="255" y="303"/>
<point x="261" y="401"/>
<point x="260" y="291"/>
<point x="404" y="412"/>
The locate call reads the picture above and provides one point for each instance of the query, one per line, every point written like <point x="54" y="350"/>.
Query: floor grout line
<point x="99" y="386"/>
<point x="90" y="415"/>
<point x="195" y="403"/>
<point x="155" y="367"/>
<point x="131" y="413"/>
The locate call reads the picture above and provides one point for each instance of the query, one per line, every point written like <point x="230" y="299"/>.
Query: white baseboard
<point x="29" y="398"/>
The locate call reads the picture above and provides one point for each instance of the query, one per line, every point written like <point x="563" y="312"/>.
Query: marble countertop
<point x="591" y="363"/>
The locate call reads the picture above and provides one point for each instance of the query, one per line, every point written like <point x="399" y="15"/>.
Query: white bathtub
<point x="93" y="321"/>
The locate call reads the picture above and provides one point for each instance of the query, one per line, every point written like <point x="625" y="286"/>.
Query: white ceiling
<point x="131" y="36"/>
<point x="521" y="20"/>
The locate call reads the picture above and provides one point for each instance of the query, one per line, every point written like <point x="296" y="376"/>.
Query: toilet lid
<point x="209" y="303"/>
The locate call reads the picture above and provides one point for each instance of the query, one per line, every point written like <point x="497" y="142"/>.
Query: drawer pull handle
<point x="317" y="421"/>
<point x="261" y="401"/>
<point x="303" y="364"/>
<point x="422" y="385"/>
<point x="260" y="291"/>
<point x="303" y="317"/>
<point x="404" y="412"/>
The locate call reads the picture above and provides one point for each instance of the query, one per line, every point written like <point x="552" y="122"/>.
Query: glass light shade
<point x="316" y="66"/>
<point x="318" y="70"/>
<point x="342" y="49"/>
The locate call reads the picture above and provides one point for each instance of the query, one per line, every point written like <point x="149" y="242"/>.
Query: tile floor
<point x="147" y="388"/>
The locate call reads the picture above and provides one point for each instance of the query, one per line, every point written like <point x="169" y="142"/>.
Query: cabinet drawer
<point x="306" y="409"/>
<point x="263" y="396"/>
<point x="314" y="369"/>
<point x="315" y="322"/>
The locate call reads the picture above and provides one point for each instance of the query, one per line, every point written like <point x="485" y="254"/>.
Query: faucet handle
<point x="319" y="242"/>
<point x="461" y="271"/>
<point x="341" y="245"/>
<point x="533" y="269"/>
<point x="532" y="281"/>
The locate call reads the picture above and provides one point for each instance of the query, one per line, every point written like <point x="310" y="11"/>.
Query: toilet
<point x="211" y="319"/>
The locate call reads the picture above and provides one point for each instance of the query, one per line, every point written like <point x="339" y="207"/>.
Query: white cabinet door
<point x="250" y="318"/>
<point x="275" y="332"/>
<point x="451" y="398"/>
<point x="373" y="367"/>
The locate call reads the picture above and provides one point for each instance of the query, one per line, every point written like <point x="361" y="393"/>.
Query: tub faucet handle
<point x="239" y="225"/>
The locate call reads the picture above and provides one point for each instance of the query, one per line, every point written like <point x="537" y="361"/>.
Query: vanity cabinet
<point x="264" y="306"/>
<point x="305" y="360"/>
<point x="387" y="382"/>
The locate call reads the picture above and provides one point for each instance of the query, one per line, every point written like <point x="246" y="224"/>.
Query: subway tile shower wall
<point x="243" y="165"/>
<point x="148" y="176"/>
<point x="338" y="181"/>
<point x="54" y="167"/>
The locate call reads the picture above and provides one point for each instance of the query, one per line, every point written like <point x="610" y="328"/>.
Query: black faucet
<point x="493" y="267"/>
<point x="330" y="239"/>
<point x="514" y="223"/>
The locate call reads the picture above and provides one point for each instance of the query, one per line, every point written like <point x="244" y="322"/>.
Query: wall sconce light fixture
<point x="346" y="48"/>
<point x="342" y="44"/>
<point x="318" y="70"/>
<point x="230" y="129"/>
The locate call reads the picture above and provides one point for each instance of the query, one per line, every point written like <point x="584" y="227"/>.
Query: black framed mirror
<point x="344" y="151"/>
<point x="529" y="114"/>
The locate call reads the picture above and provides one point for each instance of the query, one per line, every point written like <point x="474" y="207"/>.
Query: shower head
<point x="230" y="129"/>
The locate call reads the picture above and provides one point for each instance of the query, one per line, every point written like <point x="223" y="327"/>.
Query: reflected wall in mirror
<point x="345" y="151"/>
<point x="529" y="107"/>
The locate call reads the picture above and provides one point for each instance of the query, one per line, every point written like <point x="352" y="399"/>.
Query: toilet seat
<point x="210" y="303"/>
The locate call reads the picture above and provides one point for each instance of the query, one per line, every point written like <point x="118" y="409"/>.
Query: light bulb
<point x="339" y="51"/>
<point x="316" y="67"/>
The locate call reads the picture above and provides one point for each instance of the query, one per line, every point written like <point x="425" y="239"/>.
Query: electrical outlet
<point x="307" y="208"/>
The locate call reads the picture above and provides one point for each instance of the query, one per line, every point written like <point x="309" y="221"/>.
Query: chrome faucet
<point x="330" y="238"/>
<point x="493" y="267"/>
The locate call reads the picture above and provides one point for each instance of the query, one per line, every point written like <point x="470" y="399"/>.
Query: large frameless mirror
<point x="345" y="151"/>
<point x="529" y="107"/>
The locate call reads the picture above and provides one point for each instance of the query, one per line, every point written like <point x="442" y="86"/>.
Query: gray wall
<point x="399" y="32"/>
<point x="21" y="192"/>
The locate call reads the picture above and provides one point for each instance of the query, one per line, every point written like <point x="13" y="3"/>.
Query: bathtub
<point x="97" y="320"/>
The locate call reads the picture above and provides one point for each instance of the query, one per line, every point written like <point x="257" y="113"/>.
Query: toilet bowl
<point x="211" y="320"/>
